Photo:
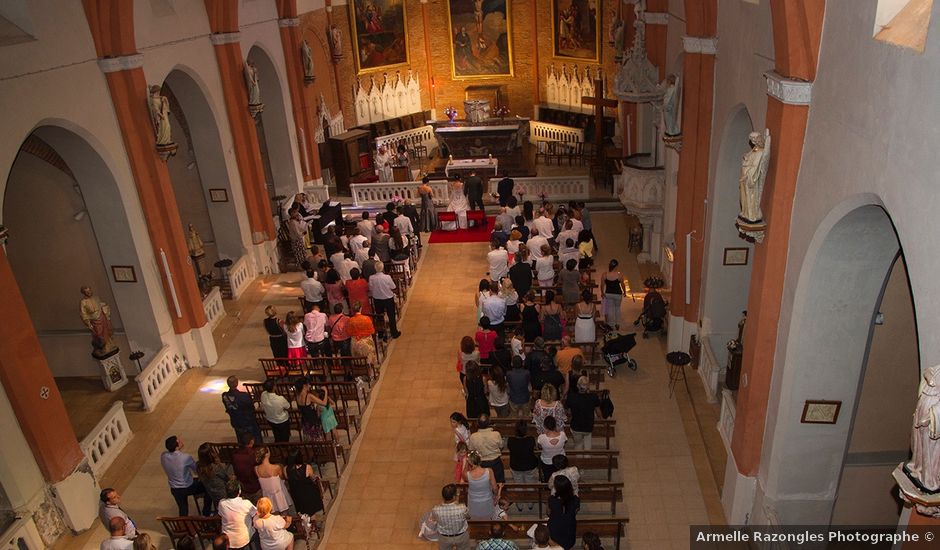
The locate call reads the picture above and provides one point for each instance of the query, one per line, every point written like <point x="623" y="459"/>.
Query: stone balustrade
<point x="108" y="438"/>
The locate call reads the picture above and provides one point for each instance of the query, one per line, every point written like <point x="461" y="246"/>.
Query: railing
<point x="726" y="420"/>
<point x="107" y="439"/>
<point x="215" y="309"/>
<point x="240" y="276"/>
<point x="317" y="193"/>
<point x="22" y="534"/>
<point x="545" y="131"/>
<point x="709" y="370"/>
<point x="416" y="136"/>
<point x="157" y="377"/>
<point x="380" y="194"/>
<point x="554" y="188"/>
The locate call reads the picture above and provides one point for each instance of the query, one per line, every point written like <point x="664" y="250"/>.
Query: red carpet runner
<point x="476" y="234"/>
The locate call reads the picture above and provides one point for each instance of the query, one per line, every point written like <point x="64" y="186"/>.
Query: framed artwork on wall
<point x="736" y="256"/>
<point x="123" y="274"/>
<point x="379" y="38"/>
<point x="820" y="412"/>
<point x="480" y="38"/>
<point x="576" y="30"/>
<point x="218" y="195"/>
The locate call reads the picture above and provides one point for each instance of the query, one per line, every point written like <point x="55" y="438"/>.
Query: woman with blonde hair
<point x="509" y="295"/>
<point x="272" y="529"/>
<point x="483" y="491"/>
<point x="143" y="542"/>
<point x="548" y="405"/>
<point x="294" y="329"/>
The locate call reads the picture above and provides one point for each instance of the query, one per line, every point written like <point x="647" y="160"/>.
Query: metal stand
<point x="677" y="361"/>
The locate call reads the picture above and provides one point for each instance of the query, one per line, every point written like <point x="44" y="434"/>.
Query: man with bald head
<point x="117" y="541"/>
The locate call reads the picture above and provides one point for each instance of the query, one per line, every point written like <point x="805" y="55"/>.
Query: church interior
<point x="736" y="184"/>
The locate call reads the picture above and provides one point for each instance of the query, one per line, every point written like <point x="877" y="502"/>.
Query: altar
<point x="480" y="139"/>
<point x="464" y="166"/>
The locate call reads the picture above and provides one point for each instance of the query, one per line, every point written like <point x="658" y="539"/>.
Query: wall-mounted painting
<point x="576" y="29"/>
<point x="480" y="32"/>
<point x="380" y="41"/>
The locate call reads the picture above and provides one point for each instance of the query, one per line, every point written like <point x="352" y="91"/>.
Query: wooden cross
<point x="599" y="102"/>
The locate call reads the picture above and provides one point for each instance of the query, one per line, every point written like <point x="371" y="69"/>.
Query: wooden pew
<point x="312" y="452"/>
<point x="603" y="428"/>
<point x="608" y="493"/>
<point x="602" y="460"/>
<point x="204" y="529"/>
<point x="613" y="528"/>
<point x="318" y="369"/>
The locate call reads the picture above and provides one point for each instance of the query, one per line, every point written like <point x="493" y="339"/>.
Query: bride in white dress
<point x="458" y="203"/>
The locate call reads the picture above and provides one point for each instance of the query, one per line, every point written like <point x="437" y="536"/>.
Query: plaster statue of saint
<point x="97" y="317"/>
<point x="924" y="465"/>
<point x="251" y="80"/>
<point x="307" y="54"/>
<point x="194" y="243"/>
<point x="160" y="116"/>
<point x="336" y="42"/>
<point x="616" y="38"/>
<point x="383" y="163"/>
<point x="671" y="105"/>
<point x="753" y="173"/>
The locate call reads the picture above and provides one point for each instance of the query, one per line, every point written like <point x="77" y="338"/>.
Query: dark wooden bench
<point x="319" y="369"/>
<point x="204" y="529"/>
<point x="603" y="428"/>
<point x="607" y="493"/>
<point x="311" y="452"/>
<point x="601" y="460"/>
<point x="613" y="528"/>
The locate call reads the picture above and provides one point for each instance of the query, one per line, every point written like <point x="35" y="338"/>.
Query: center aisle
<point x="404" y="455"/>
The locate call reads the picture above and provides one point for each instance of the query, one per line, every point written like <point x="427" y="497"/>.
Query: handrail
<point x="107" y="439"/>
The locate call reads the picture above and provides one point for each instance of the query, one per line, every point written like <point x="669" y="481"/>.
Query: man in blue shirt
<point x="179" y="468"/>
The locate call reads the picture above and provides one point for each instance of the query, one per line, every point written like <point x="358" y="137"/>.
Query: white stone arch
<point x="725" y="288"/>
<point x="839" y="287"/>
<point x="87" y="219"/>
<point x="274" y="125"/>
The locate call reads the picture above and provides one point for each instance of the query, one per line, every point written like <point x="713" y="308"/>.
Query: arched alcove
<point x="69" y="228"/>
<point x="726" y="286"/>
<point x="273" y="134"/>
<point x="833" y="353"/>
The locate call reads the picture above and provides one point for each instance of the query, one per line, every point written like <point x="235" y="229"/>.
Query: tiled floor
<point x="404" y="455"/>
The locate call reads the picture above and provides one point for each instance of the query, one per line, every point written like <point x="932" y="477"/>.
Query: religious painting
<point x="480" y="42"/>
<point x="379" y="38"/>
<point x="576" y="30"/>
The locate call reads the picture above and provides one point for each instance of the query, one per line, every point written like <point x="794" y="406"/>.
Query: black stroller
<point x="616" y="351"/>
<point x="653" y="317"/>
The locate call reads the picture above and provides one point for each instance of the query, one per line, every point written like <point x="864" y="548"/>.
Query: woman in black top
<point x="304" y="485"/>
<point x="276" y="337"/>
<point x="563" y="513"/>
<point x="531" y="326"/>
<point x="522" y="458"/>
<point x="613" y="294"/>
<point x="475" y="391"/>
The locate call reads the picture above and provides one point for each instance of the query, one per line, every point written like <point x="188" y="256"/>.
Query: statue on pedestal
<point x="255" y="105"/>
<point x="924" y="466"/>
<point x="671" y="105"/>
<point x="336" y="43"/>
<point x="159" y="108"/>
<point x="750" y="221"/>
<point x="307" y="55"/>
<point x="97" y="317"/>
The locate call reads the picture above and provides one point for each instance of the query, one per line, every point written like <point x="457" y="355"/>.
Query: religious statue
<point x="924" y="466"/>
<point x="383" y="163"/>
<point x="335" y="38"/>
<point x="307" y="55"/>
<point x="194" y="243"/>
<point x="637" y="79"/>
<point x="671" y="105"/>
<point x="753" y="173"/>
<point x="160" y="116"/>
<point x="97" y="317"/>
<point x="617" y="32"/>
<point x="255" y="105"/>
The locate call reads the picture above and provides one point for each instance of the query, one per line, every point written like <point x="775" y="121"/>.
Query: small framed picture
<point x="821" y="412"/>
<point x="736" y="256"/>
<point x="218" y="195"/>
<point x="123" y="274"/>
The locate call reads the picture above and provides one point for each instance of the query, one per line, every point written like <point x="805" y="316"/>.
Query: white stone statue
<point x="336" y="42"/>
<point x="924" y="465"/>
<point x="753" y="173"/>
<point x="307" y="54"/>
<point x="251" y="80"/>
<point x="671" y="105"/>
<point x="160" y="116"/>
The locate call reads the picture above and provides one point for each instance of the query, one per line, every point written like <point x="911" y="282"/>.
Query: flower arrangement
<point x="398" y="200"/>
<point x="451" y="113"/>
<point x="502" y="111"/>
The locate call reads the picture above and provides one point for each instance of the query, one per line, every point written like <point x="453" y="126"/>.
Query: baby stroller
<point x="653" y="317"/>
<point x="616" y="351"/>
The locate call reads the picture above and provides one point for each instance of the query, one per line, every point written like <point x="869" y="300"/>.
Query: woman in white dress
<point x="584" y="327"/>
<point x="271" y="477"/>
<point x="459" y="204"/>
<point x="272" y="529"/>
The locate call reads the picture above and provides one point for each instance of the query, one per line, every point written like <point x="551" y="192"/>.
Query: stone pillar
<point x="291" y="40"/>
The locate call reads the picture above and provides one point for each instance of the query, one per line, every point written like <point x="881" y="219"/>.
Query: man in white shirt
<point x="356" y="241"/>
<point x="382" y="288"/>
<point x="276" y="412"/>
<point x="494" y="307"/>
<point x="237" y="516"/>
<point x="498" y="261"/>
<point x="363" y="254"/>
<point x="315" y="333"/>
<point x="568" y="232"/>
<point x="337" y="258"/>
<point x="534" y="244"/>
<point x="560" y="463"/>
<point x="403" y="223"/>
<point x="313" y="289"/>
<point x="110" y="508"/>
<point x="118" y="540"/>
<point x="366" y="226"/>
<point x="544" y="224"/>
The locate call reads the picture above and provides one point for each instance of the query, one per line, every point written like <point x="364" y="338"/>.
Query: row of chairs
<point x="575" y="153"/>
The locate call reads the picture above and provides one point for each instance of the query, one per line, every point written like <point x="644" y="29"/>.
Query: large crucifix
<point x="599" y="102"/>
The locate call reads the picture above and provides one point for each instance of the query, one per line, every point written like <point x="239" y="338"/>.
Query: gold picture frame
<point x="557" y="50"/>
<point x="483" y="25"/>
<point x="370" y="34"/>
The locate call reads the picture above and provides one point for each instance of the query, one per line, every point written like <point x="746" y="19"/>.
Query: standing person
<point x="118" y="539"/>
<point x="563" y="508"/>
<point x="451" y="518"/>
<point x="536" y="244"/>
<point x="560" y="463"/>
<point x="335" y="290"/>
<point x="276" y="412"/>
<point x="360" y="330"/>
<point x="614" y="289"/>
<point x="483" y="490"/>
<point x="271" y="477"/>
<point x="473" y="188"/>
<point x="382" y="288"/>
<point x="297" y="229"/>
<point x="570" y="279"/>
<point x="240" y="408"/>
<point x="547" y="406"/>
<point x="511" y="299"/>
<point x="475" y="392"/>
<point x="315" y="332"/>
<point x="545" y="267"/>
<point x="485" y="337"/>
<point x="523" y="461"/>
<point x="461" y="427"/>
<point x="380" y="246"/>
<point x="585" y="250"/>
<point x="543" y="539"/>
<point x="517" y="379"/>
<point x="551" y="443"/>
<point x="585" y="407"/>
<point x="468" y="353"/>
<point x="550" y="313"/>
<point x="304" y="485"/>
<point x="276" y="337"/>
<point x="294" y="329"/>
<point x="272" y="529"/>
<point x="483" y="292"/>
<point x="565" y="356"/>
<point x="213" y="473"/>
<point x="110" y="507"/>
<point x="366" y="226"/>
<point x="237" y="516"/>
<point x="497" y="391"/>
<point x="545" y="224"/>
<point x="357" y="290"/>
<point x="243" y="464"/>
<point x="428" y="219"/>
<point x="313" y="289"/>
<point x="586" y="223"/>
<point x="307" y="403"/>
<point x="179" y="468"/>
<point x="498" y="261"/>
<point x="531" y="326"/>
<point x="504" y="189"/>
<point x="338" y="324"/>
<point x="356" y="241"/>
<point x="585" y="330"/>
<point x="488" y="443"/>
<point x="521" y="272"/>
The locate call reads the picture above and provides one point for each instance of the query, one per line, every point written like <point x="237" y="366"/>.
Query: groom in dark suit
<point x="473" y="188"/>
